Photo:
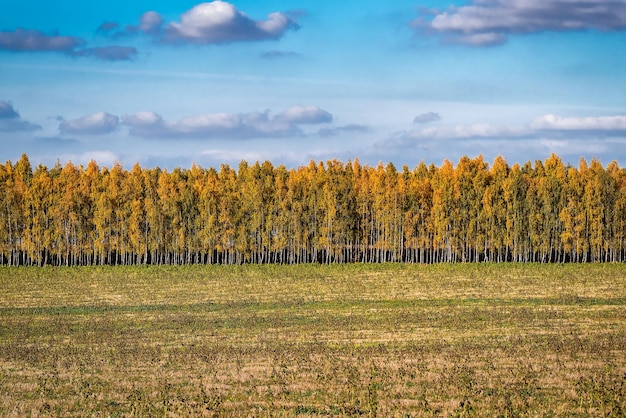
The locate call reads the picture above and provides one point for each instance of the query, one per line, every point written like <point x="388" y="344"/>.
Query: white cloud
<point x="220" y="22"/>
<point x="305" y="114"/>
<point x="546" y="127"/>
<point x="489" y="22"/>
<point x="481" y="130"/>
<point x="225" y="125"/>
<point x="150" y="22"/>
<point x="570" y="137"/>
<point x="216" y="121"/>
<point x="615" y="124"/>
<point x="95" y="124"/>
<point x="143" y="118"/>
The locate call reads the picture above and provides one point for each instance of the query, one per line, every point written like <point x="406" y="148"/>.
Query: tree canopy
<point x="329" y="213"/>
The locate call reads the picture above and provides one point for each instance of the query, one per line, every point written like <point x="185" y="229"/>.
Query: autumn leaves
<point x="332" y="213"/>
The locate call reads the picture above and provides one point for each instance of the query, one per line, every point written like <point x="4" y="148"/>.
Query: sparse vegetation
<point x="388" y="340"/>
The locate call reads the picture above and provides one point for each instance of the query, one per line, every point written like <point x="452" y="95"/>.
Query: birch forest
<point x="332" y="212"/>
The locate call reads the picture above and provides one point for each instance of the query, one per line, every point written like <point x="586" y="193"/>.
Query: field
<point x="346" y="340"/>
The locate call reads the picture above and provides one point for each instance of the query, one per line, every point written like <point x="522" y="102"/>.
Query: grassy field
<point x="374" y="340"/>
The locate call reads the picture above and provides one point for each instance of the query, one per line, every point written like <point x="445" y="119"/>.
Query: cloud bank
<point x="490" y="22"/>
<point x="609" y="125"/>
<point x="99" y="123"/>
<point x="305" y="114"/>
<point x="149" y="124"/>
<point x="544" y="127"/>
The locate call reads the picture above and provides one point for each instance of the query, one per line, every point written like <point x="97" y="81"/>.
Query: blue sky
<point x="174" y="83"/>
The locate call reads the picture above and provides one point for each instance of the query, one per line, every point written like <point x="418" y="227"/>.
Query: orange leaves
<point x="334" y="212"/>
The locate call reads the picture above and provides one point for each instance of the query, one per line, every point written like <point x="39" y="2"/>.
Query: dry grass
<point x="377" y="340"/>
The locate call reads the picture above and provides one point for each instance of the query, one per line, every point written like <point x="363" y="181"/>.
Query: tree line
<point x="328" y="213"/>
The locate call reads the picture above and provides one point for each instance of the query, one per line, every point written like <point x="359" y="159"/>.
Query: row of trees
<point x="331" y="213"/>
